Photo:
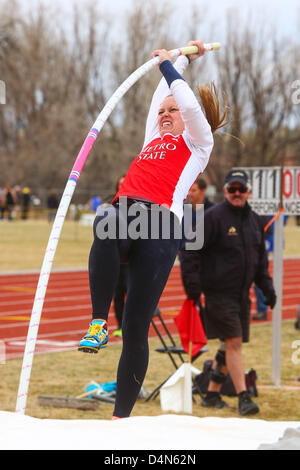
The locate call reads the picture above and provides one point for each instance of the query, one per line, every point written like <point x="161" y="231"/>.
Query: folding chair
<point x="172" y="350"/>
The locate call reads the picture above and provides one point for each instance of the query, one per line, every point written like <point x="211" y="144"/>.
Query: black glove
<point x="193" y="292"/>
<point x="270" y="298"/>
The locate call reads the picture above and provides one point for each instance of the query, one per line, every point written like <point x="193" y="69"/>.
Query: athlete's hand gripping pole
<point x="62" y="211"/>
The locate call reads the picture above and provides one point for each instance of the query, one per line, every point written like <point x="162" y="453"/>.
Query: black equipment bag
<point x="201" y="382"/>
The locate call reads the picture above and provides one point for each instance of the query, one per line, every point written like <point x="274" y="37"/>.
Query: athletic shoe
<point x="96" y="337"/>
<point x="214" y="402"/>
<point x="246" y="405"/>
<point x="117" y="333"/>
<point x="260" y="316"/>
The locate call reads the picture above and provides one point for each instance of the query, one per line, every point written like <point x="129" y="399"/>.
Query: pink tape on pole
<point x="83" y="154"/>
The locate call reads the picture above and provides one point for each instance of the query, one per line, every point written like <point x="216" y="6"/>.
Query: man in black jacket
<point x="232" y="258"/>
<point x="196" y="197"/>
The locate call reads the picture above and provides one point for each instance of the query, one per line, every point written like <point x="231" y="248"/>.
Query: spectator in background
<point x="25" y="203"/>
<point x="261" y="306"/>
<point x="119" y="182"/>
<point x="52" y="204"/>
<point x="297" y="323"/>
<point x="232" y="258"/>
<point x="8" y="202"/>
<point x="94" y="203"/>
<point x="196" y="195"/>
<point x="18" y="198"/>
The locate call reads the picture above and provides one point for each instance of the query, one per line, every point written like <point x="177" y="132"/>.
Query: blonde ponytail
<point x="209" y="96"/>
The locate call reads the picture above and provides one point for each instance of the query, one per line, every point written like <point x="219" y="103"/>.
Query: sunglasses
<point x="234" y="189"/>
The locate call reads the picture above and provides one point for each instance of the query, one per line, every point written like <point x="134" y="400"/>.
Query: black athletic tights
<point x="149" y="265"/>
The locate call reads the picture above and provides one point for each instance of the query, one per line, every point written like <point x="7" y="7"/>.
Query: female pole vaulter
<point x="177" y="147"/>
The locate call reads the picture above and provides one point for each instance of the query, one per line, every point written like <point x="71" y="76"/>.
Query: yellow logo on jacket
<point x="232" y="231"/>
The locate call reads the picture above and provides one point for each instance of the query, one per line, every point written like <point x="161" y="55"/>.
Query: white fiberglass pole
<point x="62" y="211"/>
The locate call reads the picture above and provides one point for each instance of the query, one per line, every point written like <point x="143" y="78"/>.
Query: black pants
<point x="7" y="208"/>
<point x="149" y="265"/>
<point x="120" y="293"/>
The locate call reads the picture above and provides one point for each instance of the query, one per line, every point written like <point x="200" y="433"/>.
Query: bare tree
<point x="256" y="70"/>
<point x="51" y="93"/>
<point x="58" y="79"/>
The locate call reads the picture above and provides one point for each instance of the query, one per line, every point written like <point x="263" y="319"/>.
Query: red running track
<point x="67" y="308"/>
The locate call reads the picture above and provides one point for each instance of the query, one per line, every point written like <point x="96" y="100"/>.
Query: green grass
<point x="292" y="240"/>
<point x="23" y="245"/>
<point x="61" y="374"/>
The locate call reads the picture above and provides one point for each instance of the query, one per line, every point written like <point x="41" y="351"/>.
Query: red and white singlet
<point x="167" y="166"/>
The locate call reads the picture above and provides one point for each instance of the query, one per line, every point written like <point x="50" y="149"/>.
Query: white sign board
<point x="267" y="184"/>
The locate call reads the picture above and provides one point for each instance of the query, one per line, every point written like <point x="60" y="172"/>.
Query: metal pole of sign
<point x="277" y="280"/>
<point x="277" y="312"/>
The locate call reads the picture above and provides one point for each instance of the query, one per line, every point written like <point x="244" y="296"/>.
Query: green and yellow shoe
<point x="117" y="333"/>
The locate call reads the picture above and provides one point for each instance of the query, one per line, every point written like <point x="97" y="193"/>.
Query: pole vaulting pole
<point x="62" y="211"/>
